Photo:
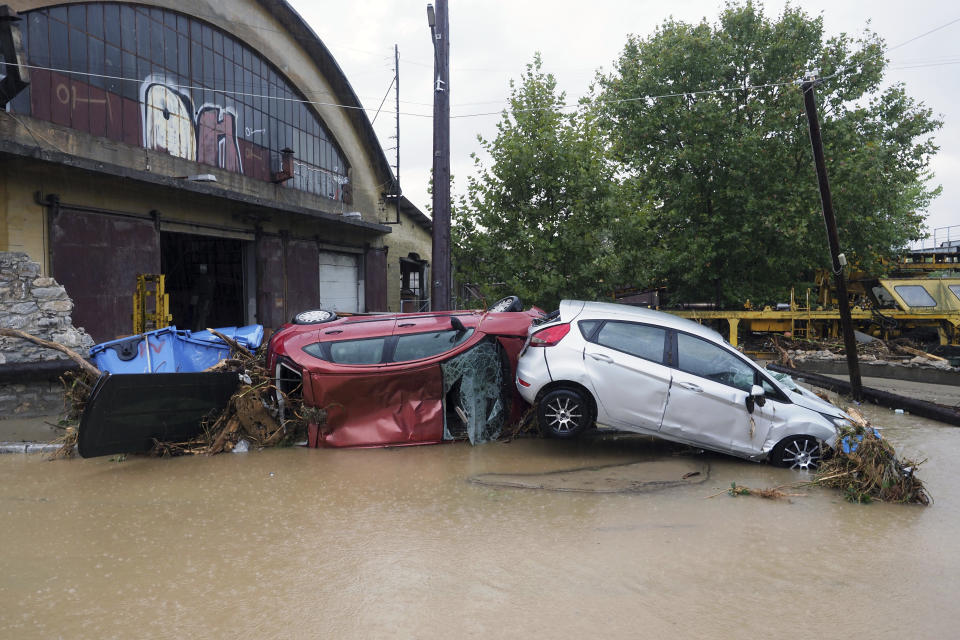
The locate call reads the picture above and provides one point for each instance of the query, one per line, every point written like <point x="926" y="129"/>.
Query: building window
<point x="163" y="80"/>
<point x="413" y="294"/>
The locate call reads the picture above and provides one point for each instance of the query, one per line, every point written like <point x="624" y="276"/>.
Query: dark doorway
<point x="204" y="280"/>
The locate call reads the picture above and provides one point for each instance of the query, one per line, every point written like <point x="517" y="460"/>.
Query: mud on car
<point x="403" y="378"/>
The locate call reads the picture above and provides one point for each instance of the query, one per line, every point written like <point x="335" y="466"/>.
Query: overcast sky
<point x="491" y="41"/>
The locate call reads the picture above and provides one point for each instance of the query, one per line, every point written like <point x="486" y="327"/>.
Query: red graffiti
<point x="156" y="346"/>
<point x="217" y="138"/>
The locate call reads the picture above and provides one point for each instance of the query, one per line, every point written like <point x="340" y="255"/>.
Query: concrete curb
<point x="28" y="447"/>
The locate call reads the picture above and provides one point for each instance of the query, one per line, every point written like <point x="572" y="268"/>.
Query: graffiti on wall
<point x="171" y="124"/>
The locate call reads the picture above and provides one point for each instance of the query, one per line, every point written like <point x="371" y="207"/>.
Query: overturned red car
<point x="405" y="378"/>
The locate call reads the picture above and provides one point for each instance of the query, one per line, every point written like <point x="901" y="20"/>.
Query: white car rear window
<point x="641" y="340"/>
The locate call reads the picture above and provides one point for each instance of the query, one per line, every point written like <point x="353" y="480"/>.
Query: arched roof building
<point x="216" y="142"/>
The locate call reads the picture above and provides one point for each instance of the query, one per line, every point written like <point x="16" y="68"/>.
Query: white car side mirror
<point x="756" y="397"/>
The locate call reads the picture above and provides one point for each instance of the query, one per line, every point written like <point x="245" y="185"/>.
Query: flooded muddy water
<point x="386" y="543"/>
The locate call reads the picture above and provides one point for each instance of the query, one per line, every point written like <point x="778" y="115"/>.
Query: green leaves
<point x="540" y="221"/>
<point x="732" y="171"/>
<point x="691" y="168"/>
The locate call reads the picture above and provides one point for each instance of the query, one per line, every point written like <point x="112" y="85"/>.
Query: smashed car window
<point x="709" y="361"/>
<point x="476" y="400"/>
<point x="423" y="345"/>
<point x="369" y="351"/>
<point x="786" y="380"/>
<point x="639" y="340"/>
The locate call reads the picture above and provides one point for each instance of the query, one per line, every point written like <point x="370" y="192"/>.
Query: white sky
<point x="491" y="41"/>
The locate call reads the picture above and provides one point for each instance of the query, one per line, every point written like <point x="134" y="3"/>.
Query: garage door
<point x="97" y="257"/>
<point x="340" y="281"/>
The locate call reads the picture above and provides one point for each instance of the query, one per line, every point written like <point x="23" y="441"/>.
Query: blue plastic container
<point x="198" y="355"/>
<point x="151" y="352"/>
<point x="249" y="336"/>
<point x="170" y="350"/>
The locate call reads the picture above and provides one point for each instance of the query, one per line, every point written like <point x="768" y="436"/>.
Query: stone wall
<point x="41" y="307"/>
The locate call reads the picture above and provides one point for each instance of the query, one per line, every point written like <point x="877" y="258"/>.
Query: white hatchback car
<point x="653" y="373"/>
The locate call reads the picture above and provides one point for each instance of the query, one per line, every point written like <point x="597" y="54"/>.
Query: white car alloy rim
<point x="802" y="454"/>
<point x="563" y="415"/>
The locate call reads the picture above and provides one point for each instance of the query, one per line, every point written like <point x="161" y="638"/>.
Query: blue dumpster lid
<point x="123" y="345"/>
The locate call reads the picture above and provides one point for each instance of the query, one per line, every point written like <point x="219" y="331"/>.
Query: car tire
<point x="510" y="303"/>
<point x="564" y="413"/>
<point x="798" y="452"/>
<point x="314" y="316"/>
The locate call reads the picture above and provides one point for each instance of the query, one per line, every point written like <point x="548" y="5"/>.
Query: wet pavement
<point x="405" y="542"/>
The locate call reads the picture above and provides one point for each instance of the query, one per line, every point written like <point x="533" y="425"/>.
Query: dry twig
<point x="73" y="355"/>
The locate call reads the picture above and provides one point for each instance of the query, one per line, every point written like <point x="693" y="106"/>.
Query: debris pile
<point x="865" y="467"/>
<point x="900" y="351"/>
<point x="252" y="417"/>
<point x="862" y="465"/>
<point x="77" y="386"/>
<point x="776" y="493"/>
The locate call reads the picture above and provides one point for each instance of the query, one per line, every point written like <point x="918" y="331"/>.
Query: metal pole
<point x="441" y="159"/>
<point x="396" y="70"/>
<point x="849" y="340"/>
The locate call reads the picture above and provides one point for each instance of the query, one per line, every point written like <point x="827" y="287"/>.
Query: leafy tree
<point x="539" y="222"/>
<point x="722" y="163"/>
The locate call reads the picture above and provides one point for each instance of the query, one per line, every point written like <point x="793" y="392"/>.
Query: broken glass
<point x="475" y="400"/>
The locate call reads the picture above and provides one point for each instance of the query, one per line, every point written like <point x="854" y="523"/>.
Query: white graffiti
<point x="207" y="134"/>
<point x="167" y="120"/>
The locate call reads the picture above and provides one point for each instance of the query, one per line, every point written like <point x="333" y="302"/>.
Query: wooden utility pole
<point x="440" y="30"/>
<point x="839" y="261"/>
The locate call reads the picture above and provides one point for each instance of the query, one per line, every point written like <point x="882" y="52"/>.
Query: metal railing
<point x="946" y="236"/>
<point x="940" y="237"/>
<point x="414" y="306"/>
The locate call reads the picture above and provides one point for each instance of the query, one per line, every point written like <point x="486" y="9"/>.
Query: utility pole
<point x="396" y="79"/>
<point x="839" y="260"/>
<point x="440" y="31"/>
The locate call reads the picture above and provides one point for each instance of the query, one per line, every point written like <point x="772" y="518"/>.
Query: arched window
<point x="164" y="80"/>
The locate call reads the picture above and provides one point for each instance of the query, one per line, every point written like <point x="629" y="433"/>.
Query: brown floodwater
<point x="417" y="542"/>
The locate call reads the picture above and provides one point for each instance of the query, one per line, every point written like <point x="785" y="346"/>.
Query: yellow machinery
<point x="883" y="307"/>
<point x="151" y="285"/>
<point x="922" y="291"/>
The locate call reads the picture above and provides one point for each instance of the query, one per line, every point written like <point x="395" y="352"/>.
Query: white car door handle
<point x="691" y="386"/>
<point x="601" y="357"/>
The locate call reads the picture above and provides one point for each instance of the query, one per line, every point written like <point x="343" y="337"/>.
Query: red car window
<point x="423" y="345"/>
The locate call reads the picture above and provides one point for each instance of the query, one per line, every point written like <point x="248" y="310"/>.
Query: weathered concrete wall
<point x="407" y="237"/>
<point x="916" y="370"/>
<point x="39" y="306"/>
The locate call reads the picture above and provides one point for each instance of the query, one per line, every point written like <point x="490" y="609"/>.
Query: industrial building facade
<point x="217" y="143"/>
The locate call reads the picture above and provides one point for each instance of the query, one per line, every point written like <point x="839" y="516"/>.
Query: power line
<point x="205" y="88"/>
<point x="566" y="105"/>
<point x="925" y="34"/>
<point x="384" y="100"/>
